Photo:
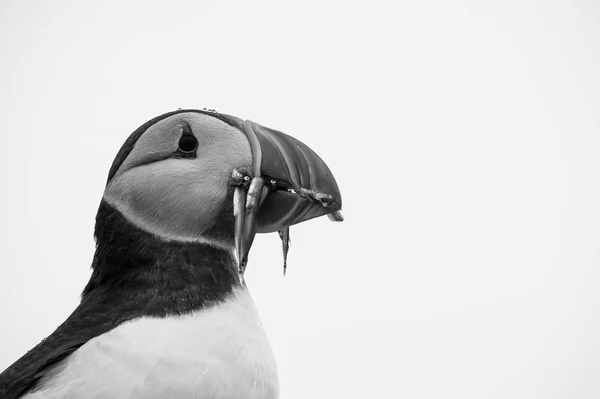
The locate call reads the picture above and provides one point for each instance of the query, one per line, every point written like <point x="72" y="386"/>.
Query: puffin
<point x="167" y="312"/>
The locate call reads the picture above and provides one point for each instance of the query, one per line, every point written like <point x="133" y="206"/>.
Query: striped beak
<point x="289" y="184"/>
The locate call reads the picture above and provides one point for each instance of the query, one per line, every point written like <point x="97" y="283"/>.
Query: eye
<point x="188" y="143"/>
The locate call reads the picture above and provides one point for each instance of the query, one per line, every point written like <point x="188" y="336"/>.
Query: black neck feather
<point x="163" y="277"/>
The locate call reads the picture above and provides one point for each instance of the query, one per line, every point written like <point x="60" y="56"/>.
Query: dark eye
<point x="188" y="143"/>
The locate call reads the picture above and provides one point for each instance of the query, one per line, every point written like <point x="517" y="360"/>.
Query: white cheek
<point x="175" y="198"/>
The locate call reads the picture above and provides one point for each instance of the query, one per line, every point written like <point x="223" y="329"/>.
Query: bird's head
<point x="200" y="176"/>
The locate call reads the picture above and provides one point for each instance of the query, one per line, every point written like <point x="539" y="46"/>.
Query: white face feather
<point x="178" y="198"/>
<point x="220" y="352"/>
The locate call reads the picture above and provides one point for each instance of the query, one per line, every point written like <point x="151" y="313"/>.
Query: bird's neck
<point x="171" y="277"/>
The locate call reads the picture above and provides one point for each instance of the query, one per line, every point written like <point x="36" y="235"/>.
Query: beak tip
<point x="336" y="216"/>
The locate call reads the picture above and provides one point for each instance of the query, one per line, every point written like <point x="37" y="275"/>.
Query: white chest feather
<point x="221" y="352"/>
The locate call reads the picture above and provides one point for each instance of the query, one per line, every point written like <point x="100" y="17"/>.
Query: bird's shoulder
<point x="222" y="348"/>
<point x="89" y="320"/>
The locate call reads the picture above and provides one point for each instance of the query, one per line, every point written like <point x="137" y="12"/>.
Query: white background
<point x="465" y="137"/>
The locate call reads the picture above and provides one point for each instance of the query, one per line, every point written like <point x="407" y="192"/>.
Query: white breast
<point x="221" y="352"/>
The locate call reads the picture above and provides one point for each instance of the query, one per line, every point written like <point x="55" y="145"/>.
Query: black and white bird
<point x="166" y="312"/>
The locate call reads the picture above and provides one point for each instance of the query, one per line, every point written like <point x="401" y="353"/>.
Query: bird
<point x="167" y="312"/>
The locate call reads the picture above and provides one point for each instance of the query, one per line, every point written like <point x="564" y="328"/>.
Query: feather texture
<point x="135" y="275"/>
<point x="219" y="352"/>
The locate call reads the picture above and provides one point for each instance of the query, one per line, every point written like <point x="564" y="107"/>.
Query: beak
<point x="290" y="184"/>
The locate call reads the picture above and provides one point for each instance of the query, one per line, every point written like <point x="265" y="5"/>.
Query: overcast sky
<point x="465" y="137"/>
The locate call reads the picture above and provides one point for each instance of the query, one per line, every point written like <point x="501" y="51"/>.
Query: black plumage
<point x="134" y="274"/>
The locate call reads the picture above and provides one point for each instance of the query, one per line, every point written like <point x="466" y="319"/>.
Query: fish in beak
<point x="289" y="184"/>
